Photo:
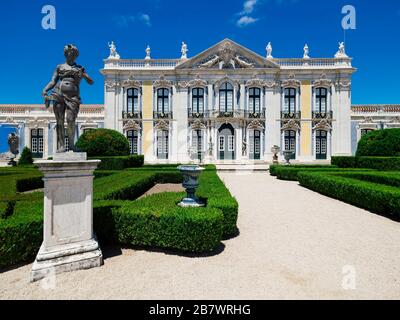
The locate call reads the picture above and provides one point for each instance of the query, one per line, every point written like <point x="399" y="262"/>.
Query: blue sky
<point x="30" y="53"/>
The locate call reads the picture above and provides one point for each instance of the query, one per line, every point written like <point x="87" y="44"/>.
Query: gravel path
<point x="293" y="244"/>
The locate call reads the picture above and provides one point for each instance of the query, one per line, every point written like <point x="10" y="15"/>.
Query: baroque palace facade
<point x="226" y="104"/>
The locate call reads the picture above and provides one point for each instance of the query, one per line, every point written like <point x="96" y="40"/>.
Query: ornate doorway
<point x="226" y="142"/>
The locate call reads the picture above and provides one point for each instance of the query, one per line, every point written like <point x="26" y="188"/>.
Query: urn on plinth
<point x="191" y="175"/>
<point x="288" y="154"/>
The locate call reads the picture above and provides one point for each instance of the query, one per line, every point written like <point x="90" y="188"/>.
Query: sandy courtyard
<point x="293" y="244"/>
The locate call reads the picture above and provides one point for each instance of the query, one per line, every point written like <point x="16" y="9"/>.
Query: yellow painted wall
<point x="306" y="126"/>
<point x="147" y="117"/>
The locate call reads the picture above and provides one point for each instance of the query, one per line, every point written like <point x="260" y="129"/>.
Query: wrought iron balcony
<point x="290" y="115"/>
<point x="162" y="115"/>
<point x="254" y="115"/>
<point x="225" y="114"/>
<point x="131" y="115"/>
<point x="196" y="115"/>
<point x="322" y="115"/>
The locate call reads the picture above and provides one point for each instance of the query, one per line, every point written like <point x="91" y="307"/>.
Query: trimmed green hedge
<point x="103" y="142"/>
<point x="152" y="221"/>
<point x="377" y="163"/>
<point x="378" y="198"/>
<point x="380" y="143"/>
<point x="290" y="172"/>
<point x="119" y="162"/>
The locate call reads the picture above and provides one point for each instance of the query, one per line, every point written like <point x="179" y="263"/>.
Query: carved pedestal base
<point x="68" y="240"/>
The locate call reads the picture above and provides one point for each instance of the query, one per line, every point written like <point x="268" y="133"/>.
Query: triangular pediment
<point x="227" y="54"/>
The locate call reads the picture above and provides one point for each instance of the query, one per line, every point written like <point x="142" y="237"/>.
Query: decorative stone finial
<point x="184" y="51"/>
<point x="306" y="52"/>
<point x="113" y="51"/>
<point x="342" y="51"/>
<point x="148" y="52"/>
<point x="269" y="50"/>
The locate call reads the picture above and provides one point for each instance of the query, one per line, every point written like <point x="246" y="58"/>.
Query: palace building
<point x="225" y="105"/>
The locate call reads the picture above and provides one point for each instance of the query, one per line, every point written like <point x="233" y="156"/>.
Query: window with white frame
<point x="163" y="100"/>
<point x="133" y="138"/>
<point x="221" y="145"/>
<point x="132" y="100"/>
<point x="321" y="100"/>
<point x="289" y="105"/>
<point x="231" y="143"/>
<point x="254" y="100"/>
<point x="37" y="145"/>
<point x="198" y="100"/>
<point x="226" y="97"/>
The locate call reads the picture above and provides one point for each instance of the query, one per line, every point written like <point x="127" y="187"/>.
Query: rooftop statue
<point x="113" y="51"/>
<point x="65" y="95"/>
<point x="269" y="50"/>
<point x="184" y="51"/>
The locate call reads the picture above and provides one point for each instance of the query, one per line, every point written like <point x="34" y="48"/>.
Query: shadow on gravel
<point x="113" y="251"/>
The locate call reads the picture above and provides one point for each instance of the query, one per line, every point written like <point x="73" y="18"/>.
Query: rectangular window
<point x="221" y="146"/>
<point x="231" y="143"/>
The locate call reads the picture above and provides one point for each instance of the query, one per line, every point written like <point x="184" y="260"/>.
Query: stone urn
<point x="191" y="175"/>
<point x="288" y="154"/>
<point x="275" y="150"/>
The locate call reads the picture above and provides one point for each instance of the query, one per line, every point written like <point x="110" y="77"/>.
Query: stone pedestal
<point x="68" y="239"/>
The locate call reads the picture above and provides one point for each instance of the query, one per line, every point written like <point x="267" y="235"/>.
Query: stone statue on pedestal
<point x="65" y="96"/>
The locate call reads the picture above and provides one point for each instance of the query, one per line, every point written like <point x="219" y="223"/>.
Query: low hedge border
<point x="118" y="219"/>
<point x="377" y="163"/>
<point x="290" y="173"/>
<point x="119" y="162"/>
<point x="378" y="198"/>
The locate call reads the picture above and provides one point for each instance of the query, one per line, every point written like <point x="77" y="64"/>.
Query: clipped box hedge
<point x="290" y="173"/>
<point x="379" y="198"/>
<point x="377" y="163"/>
<point x="120" y="162"/>
<point x="154" y="221"/>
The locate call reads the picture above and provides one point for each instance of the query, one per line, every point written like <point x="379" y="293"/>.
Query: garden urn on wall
<point x="191" y="175"/>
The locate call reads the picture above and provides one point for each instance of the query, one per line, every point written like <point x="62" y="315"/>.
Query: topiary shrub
<point x="380" y="143"/>
<point x="103" y="142"/>
<point x="26" y="157"/>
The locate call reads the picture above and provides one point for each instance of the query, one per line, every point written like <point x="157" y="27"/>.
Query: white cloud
<point x="145" y="18"/>
<point x="245" y="21"/>
<point x="248" y="6"/>
<point x="245" y="17"/>
<point x="125" y="20"/>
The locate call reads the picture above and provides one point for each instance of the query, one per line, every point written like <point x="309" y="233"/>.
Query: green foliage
<point x="21" y="234"/>
<point x="290" y="172"/>
<point x="154" y="221"/>
<point x="380" y="143"/>
<point x="120" y="162"/>
<point x="379" y="198"/>
<point x="377" y="163"/>
<point x="103" y="142"/>
<point x="26" y="157"/>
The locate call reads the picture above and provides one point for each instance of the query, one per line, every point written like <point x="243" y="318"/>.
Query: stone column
<point x="68" y="239"/>
<point x="272" y="120"/>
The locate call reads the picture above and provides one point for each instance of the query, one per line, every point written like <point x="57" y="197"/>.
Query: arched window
<point x="163" y="100"/>
<point x="254" y="100"/>
<point x="290" y="142"/>
<point x="290" y="100"/>
<point x="133" y="136"/>
<point x="321" y="144"/>
<point x="321" y="100"/>
<point x="226" y="97"/>
<point x="132" y="100"/>
<point x="198" y="100"/>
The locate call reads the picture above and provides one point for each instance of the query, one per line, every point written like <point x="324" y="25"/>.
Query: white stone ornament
<point x="306" y="52"/>
<point x="184" y="51"/>
<point x="113" y="51"/>
<point x="269" y="51"/>
<point x="342" y="51"/>
<point x="148" y="53"/>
